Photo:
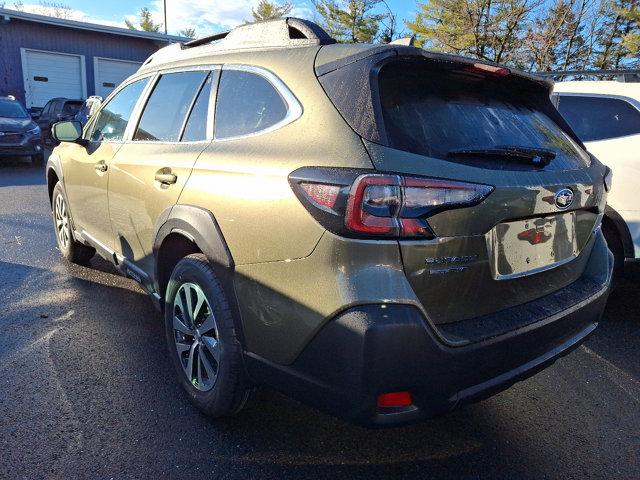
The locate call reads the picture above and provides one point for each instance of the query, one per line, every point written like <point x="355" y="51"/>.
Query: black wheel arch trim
<point x="622" y="229"/>
<point x="201" y="227"/>
<point x="198" y="225"/>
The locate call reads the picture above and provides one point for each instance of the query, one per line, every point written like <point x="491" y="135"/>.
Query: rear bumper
<point x="373" y="349"/>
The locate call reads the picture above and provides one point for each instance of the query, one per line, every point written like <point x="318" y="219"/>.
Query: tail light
<point x="492" y="70"/>
<point x="353" y="204"/>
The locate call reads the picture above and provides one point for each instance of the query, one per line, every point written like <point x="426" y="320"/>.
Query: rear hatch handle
<point x="540" y="157"/>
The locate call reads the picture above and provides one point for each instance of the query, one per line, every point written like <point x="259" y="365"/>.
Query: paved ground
<point x="87" y="391"/>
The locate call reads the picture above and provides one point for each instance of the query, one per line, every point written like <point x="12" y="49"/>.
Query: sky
<point x="206" y="16"/>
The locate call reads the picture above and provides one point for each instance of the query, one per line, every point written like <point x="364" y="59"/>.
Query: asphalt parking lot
<point x="87" y="391"/>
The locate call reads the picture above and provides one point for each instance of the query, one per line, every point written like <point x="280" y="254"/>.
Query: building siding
<point x="16" y="34"/>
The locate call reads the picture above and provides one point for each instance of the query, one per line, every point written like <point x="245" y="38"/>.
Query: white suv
<point x="606" y="117"/>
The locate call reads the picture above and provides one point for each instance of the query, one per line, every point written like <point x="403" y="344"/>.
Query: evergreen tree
<point x="267" y="10"/>
<point x="617" y="35"/>
<point x="351" y="21"/>
<point x="188" y="32"/>
<point x="145" y="22"/>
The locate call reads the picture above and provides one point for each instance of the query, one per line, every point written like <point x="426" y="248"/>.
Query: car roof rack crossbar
<point x="282" y="32"/>
<point x="622" y="75"/>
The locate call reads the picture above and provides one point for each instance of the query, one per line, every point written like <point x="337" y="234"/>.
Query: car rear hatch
<point x="483" y="128"/>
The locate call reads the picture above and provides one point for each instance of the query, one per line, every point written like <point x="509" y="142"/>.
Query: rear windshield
<point x="71" y="108"/>
<point x="11" y="109"/>
<point x="433" y="111"/>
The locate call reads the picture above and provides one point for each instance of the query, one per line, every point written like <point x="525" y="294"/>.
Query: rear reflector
<point x="395" y="399"/>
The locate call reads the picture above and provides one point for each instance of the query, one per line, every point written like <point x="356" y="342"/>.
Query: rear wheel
<point x="70" y="249"/>
<point x="202" y="339"/>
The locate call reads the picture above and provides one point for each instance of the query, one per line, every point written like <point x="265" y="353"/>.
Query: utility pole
<point x="165" y="17"/>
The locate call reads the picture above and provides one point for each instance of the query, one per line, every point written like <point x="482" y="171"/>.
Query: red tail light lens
<point x="486" y="69"/>
<point x="354" y="203"/>
<point x="396" y="205"/>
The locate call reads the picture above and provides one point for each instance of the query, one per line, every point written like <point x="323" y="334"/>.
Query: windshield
<point x="12" y="110"/>
<point x="436" y="112"/>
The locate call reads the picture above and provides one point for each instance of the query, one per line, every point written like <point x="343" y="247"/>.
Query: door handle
<point x="101" y="166"/>
<point x="166" y="178"/>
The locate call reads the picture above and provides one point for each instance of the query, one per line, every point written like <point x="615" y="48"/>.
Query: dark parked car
<point x="56" y="110"/>
<point x="19" y="134"/>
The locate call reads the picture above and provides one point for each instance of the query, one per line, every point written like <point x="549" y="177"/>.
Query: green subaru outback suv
<point x="381" y="231"/>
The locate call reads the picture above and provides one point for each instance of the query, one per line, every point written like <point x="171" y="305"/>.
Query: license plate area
<point x="525" y="247"/>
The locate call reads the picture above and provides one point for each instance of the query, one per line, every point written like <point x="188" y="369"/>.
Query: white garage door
<point x="110" y="73"/>
<point x="48" y="75"/>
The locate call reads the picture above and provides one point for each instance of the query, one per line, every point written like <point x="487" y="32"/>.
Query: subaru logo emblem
<point x="564" y="198"/>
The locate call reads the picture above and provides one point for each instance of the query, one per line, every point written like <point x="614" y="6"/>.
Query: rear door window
<point x="247" y="103"/>
<point x="436" y="112"/>
<point x="71" y="108"/>
<point x="599" y="118"/>
<point x="46" y="111"/>
<point x="112" y="119"/>
<point x="167" y="108"/>
<point x="196" y="127"/>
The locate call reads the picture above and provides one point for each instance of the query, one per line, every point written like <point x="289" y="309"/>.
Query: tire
<point x="214" y="378"/>
<point x="70" y="249"/>
<point x="614" y="242"/>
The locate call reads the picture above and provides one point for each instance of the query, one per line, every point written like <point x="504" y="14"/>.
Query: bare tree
<point x="487" y="29"/>
<point x="53" y="9"/>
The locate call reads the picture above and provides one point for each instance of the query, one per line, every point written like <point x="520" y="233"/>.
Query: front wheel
<point x="202" y="339"/>
<point x="70" y="249"/>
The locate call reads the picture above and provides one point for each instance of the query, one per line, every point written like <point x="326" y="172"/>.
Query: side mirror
<point x="34" y="114"/>
<point x="68" y="131"/>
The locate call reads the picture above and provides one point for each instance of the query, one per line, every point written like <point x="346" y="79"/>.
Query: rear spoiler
<point x="390" y="50"/>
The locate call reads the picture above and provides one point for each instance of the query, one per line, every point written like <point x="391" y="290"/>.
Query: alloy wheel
<point x="196" y="336"/>
<point x="62" y="221"/>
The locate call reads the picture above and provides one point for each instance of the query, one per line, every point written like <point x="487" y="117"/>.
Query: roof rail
<point x="204" y="40"/>
<point x="281" y="32"/>
<point x="631" y="76"/>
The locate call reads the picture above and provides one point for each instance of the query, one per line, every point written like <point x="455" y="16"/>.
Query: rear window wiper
<point x="540" y="157"/>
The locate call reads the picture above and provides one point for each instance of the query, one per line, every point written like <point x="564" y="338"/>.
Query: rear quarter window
<point x="599" y="118"/>
<point x="247" y="103"/>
